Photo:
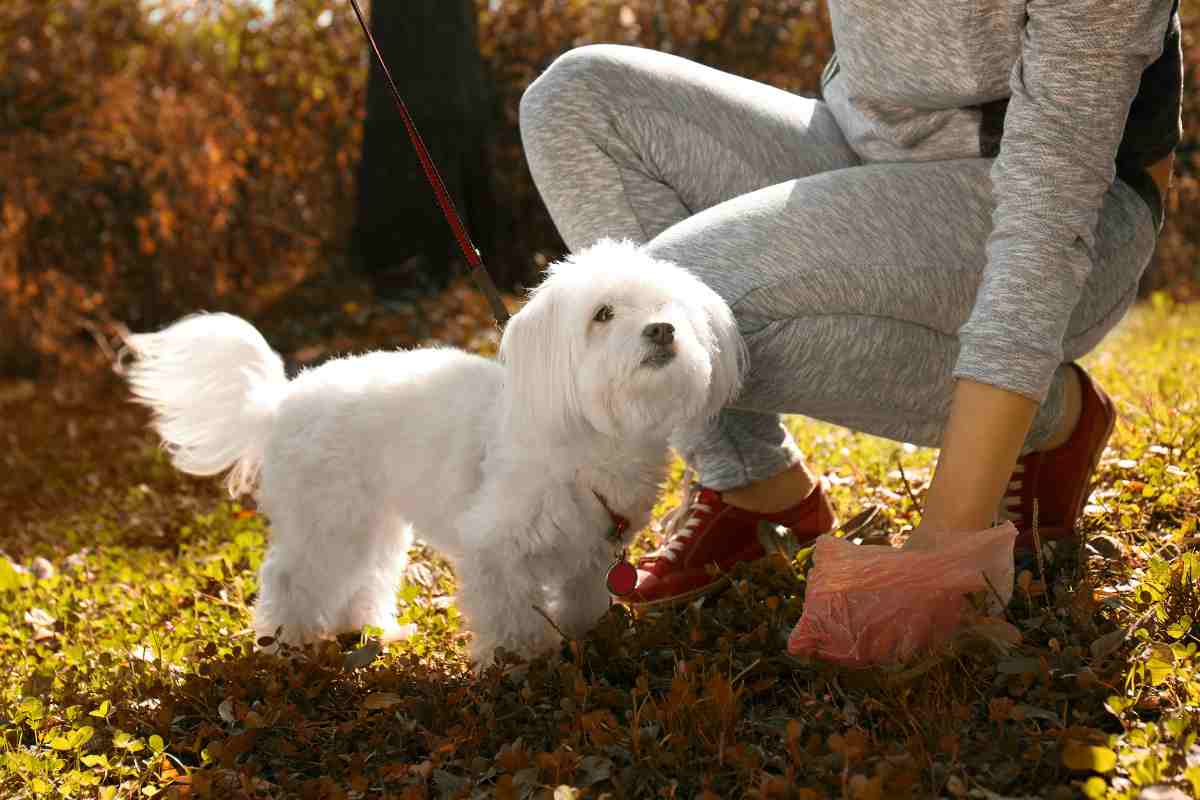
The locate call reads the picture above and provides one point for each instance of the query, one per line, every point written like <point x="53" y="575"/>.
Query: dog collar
<point x="619" y="524"/>
<point x="622" y="576"/>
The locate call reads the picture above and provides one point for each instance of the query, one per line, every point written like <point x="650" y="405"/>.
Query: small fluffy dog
<point x="513" y="470"/>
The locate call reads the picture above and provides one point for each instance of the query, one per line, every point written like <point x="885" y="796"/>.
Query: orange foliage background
<point x="157" y="160"/>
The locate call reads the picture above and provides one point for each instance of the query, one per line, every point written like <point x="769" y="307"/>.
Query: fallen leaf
<point x="143" y="653"/>
<point x="1105" y="546"/>
<point x="420" y="574"/>
<point x="1109" y="643"/>
<point x="39" y="618"/>
<point x="378" y="700"/>
<point x="448" y="783"/>
<point x="1037" y="713"/>
<point x="10" y="575"/>
<point x="1085" y="757"/>
<point x="1018" y="666"/>
<point x="362" y="656"/>
<point x="308" y="354"/>
<point x="1161" y="791"/>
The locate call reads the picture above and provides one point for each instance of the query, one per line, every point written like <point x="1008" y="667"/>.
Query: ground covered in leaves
<point x="129" y="669"/>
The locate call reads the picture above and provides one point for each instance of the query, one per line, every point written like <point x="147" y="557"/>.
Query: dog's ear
<point x="729" y="357"/>
<point x="538" y="353"/>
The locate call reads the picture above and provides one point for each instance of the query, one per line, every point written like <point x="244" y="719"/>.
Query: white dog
<point x="515" y="471"/>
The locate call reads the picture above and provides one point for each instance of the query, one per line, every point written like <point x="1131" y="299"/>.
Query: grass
<point x="129" y="671"/>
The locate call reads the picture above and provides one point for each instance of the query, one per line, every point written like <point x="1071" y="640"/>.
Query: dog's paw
<point x="481" y="652"/>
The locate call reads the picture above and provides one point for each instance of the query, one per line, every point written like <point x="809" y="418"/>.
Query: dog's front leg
<point x="497" y="597"/>
<point x="578" y="597"/>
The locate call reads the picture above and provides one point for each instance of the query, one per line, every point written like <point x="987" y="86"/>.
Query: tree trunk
<point x="401" y="240"/>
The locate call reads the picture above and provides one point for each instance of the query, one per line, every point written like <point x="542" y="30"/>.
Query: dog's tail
<point x="215" y="386"/>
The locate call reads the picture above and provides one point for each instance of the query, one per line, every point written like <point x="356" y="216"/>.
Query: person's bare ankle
<point x="1072" y="408"/>
<point x="777" y="493"/>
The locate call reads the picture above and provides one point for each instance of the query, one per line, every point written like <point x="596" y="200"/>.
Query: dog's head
<point x="621" y="343"/>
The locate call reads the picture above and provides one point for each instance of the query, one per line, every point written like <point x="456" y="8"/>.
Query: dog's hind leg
<point x="324" y="575"/>
<point x="291" y="606"/>
<point x="374" y="600"/>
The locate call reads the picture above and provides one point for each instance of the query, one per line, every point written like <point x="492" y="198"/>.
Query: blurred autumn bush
<point x="160" y="157"/>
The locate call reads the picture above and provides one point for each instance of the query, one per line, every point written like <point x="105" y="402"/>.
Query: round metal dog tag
<point x="622" y="577"/>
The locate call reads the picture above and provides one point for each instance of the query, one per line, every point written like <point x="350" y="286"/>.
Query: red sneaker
<point x="705" y="531"/>
<point x="1060" y="479"/>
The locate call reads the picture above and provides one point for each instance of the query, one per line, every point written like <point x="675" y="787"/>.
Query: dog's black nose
<point x="659" y="332"/>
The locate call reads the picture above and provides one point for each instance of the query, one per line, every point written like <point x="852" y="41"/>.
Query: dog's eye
<point x="603" y="314"/>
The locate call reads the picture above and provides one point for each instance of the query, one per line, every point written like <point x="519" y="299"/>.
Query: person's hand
<point x="875" y="606"/>
<point x="867" y="606"/>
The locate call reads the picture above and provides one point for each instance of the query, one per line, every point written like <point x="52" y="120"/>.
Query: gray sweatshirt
<point x="1047" y="87"/>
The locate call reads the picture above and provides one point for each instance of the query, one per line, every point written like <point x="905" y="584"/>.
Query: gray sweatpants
<point x="849" y="280"/>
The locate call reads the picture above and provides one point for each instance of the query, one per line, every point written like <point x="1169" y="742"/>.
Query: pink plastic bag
<point x="869" y="605"/>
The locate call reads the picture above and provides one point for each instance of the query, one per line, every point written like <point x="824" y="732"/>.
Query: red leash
<point x="478" y="271"/>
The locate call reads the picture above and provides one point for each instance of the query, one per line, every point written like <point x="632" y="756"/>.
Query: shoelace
<point x="1011" y="503"/>
<point x="677" y="536"/>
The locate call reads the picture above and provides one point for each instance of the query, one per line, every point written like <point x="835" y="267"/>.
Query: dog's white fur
<point x="496" y="465"/>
